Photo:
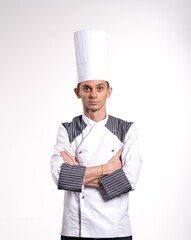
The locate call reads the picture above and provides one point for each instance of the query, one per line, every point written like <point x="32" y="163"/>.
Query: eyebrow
<point x="99" y="84"/>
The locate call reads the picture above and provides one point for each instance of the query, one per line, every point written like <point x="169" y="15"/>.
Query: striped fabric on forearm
<point x="115" y="184"/>
<point x="71" y="177"/>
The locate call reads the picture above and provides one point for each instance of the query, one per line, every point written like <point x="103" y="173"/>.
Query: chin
<point x="94" y="109"/>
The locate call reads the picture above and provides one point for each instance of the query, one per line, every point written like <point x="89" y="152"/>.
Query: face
<point x="94" y="94"/>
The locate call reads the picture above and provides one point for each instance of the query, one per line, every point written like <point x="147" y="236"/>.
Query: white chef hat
<point x="91" y="48"/>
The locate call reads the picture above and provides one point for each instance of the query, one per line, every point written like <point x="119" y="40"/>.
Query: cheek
<point x="104" y="97"/>
<point x="84" y="100"/>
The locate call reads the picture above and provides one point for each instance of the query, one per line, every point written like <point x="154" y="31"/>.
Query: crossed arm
<point x="113" y="177"/>
<point x="93" y="174"/>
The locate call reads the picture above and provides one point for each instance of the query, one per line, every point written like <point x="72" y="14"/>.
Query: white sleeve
<point x="125" y="179"/>
<point x="62" y="142"/>
<point x="130" y="157"/>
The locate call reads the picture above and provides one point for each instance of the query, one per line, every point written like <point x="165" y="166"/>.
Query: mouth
<point x="93" y="102"/>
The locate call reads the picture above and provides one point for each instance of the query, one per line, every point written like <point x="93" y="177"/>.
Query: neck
<point x="96" y="116"/>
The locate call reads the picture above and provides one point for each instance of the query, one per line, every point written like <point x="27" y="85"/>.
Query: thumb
<point x="120" y="151"/>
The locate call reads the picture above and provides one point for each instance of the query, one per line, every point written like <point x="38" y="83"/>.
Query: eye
<point x="86" y="89"/>
<point x="100" y="88"/>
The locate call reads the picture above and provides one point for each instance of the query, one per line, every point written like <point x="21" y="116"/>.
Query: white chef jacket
<point x="88" y="211"/>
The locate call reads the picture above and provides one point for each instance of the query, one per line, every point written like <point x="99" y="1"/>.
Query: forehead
<point x="93" y="83"/>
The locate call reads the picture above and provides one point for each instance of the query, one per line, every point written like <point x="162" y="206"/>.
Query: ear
<point x="109" y="92"/>
<point x="76" y="90"/>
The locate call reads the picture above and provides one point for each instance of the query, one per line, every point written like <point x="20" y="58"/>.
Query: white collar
<point x="90" y="122"/>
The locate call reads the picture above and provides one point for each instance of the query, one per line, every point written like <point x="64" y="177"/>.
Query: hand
<point x="115" y="163"/>
<point x="68" y="158"/>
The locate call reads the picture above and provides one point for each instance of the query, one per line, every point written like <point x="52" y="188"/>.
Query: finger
<point x="68" y="154"/>
<point x="68" y="158"/>
<point x="119" y="152"/>
<point x="61" y="153"/>
<point x="65" y="153"/>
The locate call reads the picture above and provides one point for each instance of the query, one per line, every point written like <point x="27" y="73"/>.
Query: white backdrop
<point x="150" y="59"/>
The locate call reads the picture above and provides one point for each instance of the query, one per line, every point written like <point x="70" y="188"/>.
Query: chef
<point x="96" y="157"/>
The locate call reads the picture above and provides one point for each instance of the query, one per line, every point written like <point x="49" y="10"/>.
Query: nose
<point x="93" y="93"/>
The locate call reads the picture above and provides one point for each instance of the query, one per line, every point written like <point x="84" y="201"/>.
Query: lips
<point x="93" y="102"/>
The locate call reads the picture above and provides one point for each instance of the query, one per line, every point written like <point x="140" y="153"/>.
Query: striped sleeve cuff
<point x="115" y="184"/>
<point x="71" y="177"/>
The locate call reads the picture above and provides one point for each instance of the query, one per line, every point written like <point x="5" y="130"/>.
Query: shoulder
<point x="118" y="126"/>
<point x="114" y="122"/>
<point x="75" y="127"/>
<point x="75" y="121"/>
<point x="118" y="120"/>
